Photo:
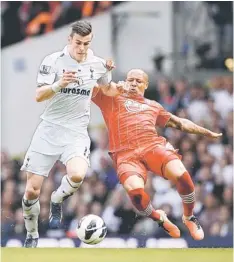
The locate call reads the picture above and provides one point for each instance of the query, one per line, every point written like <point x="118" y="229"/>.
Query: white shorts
<point x="50" y="143"/>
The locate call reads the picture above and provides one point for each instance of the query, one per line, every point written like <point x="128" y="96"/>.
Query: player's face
<point x="137" y="81"/>
<point x="80" y="45"/>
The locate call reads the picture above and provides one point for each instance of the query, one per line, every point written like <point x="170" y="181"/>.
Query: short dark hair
<point x="81" y="27"/>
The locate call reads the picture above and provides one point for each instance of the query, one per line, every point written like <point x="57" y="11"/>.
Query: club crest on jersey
<point x="91" y="71"/>
<point x="133" y="106"/>
<point x="79" y="81"/>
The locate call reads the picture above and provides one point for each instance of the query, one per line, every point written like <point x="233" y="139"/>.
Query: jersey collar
<point x="89" y="55"/>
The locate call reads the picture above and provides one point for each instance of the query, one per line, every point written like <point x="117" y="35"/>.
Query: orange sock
<point x="141" y="201"/>
<point x="185" y="188"/>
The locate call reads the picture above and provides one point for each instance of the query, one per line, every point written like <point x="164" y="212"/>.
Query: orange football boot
<point x="194" y="227"/>
<point x="167" y="225"/>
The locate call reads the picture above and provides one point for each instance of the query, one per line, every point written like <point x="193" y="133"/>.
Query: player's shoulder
<point x="53" y="57"/>
<point x="153" y="103"/>
<point x="99" y="60"/>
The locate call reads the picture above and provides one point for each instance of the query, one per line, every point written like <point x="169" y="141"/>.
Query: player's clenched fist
<point x="214" y="135"/>
<point x="67" y="78"/>
<point x="122" y="86"/>
<point x="110" y="64"/>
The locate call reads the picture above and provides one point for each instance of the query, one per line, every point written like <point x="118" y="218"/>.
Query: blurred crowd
<point x="31" y="18"/>
<point x="209" y="161"/>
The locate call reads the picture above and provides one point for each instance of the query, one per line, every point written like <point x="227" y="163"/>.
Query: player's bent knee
<point x="174" y="170"/>
<point x="76" y="169"/>
<point x="133" y="181"/>
<point x="32" y="192"/>
<point x="33" y="186"/>
<point x="76" y="176"/>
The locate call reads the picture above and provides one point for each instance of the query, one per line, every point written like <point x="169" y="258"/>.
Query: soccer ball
<point x="91" y="229"/>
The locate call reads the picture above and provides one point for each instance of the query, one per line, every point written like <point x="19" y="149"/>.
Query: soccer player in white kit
<point x="66" y="79"/>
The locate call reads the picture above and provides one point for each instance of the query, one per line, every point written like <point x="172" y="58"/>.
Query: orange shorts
<point x="139" y="161"/>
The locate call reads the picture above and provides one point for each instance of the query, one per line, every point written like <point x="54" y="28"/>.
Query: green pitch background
<point x="116" y="255"/>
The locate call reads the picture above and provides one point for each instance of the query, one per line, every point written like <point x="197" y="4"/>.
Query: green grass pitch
<point x="116" y="255"/>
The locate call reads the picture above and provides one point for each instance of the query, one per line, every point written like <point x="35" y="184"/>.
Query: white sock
<point x="66" y="189"/>
<point x="31" y="211"/>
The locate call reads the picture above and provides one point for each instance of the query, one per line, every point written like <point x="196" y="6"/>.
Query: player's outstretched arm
<point x="113" y="89"/>
<point x="45" y="92"/>
<point x="188" y="126"/>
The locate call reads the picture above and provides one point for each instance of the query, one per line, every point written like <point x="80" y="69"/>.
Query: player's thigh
<point x="133" y="181"/>
<point x="76" y="158"/>
<point x="38" y="163"/>
<point x="174" y="169"/>
<point x="127" y="164"/>
<point x="157" y="159"/>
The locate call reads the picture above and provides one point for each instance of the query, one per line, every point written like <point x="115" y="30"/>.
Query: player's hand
<point x="214" y="135"/>
<point x="67" y="78"/>
<point x="122" y="87"/>
<point x="110" y="64"/>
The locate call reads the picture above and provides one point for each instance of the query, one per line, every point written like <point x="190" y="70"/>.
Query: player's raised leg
<point x="76" y="171"/>
<point x="176" y="172"/>
<point x="31" y="208"/>
<point x="134" y="185"/>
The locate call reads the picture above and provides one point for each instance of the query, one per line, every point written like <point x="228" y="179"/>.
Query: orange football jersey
<point x="131" y="120"/>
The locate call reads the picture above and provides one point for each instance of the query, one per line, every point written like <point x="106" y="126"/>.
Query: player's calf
<point x="142" y="203"/>
<point x="185" y="187"/>
<point x="176" y="172"/>
<point x="31" y="210"/>
<point x="134" y="185"/>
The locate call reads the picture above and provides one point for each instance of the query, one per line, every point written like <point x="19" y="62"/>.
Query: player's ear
<point x="69" y="39"/>
<point x="146" y="85"/>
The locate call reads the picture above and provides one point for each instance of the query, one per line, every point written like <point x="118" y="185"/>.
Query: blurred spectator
<point x="100" y="193"/>
<point x="7" y="223"/>
<point x="40" y="20"/>
<point x="19" y="227"/>
<point x="182" y="95"/>
<point x="128" y="217"/>
<point x="222" y="14"/>
<point x="101" y="162"/>
<point x="169" y="196"/>
<point x="166" y="98"/>
<point x="210" y="214"/>
<point x="222" y="93"/>
<point x="11" y="25"/>
<point x="198" y="110"/>
<point x="25" y="19"/>
<point x="224" y="224"/>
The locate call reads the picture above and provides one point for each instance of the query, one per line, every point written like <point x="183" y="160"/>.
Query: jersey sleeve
<point x="163" y="117"/>
<point x="106" y="79"/>
<point x="47" y="73"/>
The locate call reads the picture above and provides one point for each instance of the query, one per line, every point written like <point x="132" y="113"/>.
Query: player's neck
<point x="80" y="60"/>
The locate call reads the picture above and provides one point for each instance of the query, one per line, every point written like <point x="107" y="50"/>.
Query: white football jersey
<point x="71" y="106"/>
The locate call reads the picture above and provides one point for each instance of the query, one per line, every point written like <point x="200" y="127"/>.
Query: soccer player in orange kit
<point x="135" y="148"/>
